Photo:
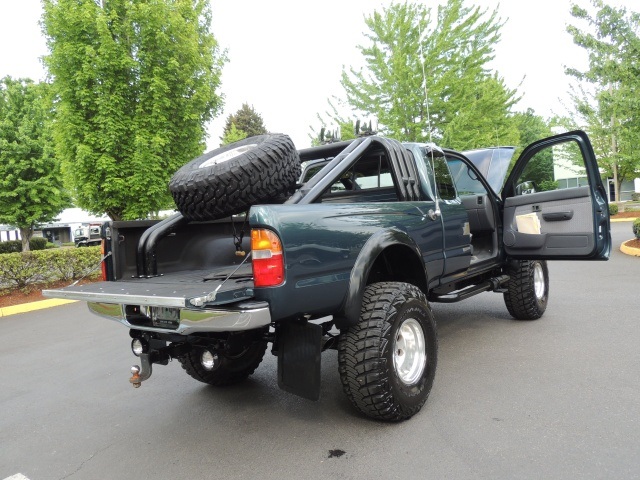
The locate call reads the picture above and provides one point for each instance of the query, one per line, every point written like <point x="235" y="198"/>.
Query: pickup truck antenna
<point x="433" y="214"/>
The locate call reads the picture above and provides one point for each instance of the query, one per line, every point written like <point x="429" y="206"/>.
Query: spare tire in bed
<point x="230" y="179"/>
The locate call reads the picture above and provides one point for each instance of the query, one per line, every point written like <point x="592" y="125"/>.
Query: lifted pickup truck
<point x="374" y="232"/>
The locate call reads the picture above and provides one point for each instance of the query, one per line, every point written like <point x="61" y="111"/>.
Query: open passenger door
<point x="555" y="205"/>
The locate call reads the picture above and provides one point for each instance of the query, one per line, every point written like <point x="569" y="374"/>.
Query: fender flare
<point x="350" y="311"/>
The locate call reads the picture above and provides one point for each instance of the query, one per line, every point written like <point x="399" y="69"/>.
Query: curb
<point x="635" y="252"/>
<point x="30" y="307"/>
<point x="618" y="220"/>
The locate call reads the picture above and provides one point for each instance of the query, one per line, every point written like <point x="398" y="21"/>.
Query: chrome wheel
<point x="538" y="281"/>
<point x="409" y="352"/>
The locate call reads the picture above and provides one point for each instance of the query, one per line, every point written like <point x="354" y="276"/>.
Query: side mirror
<point x="526" y="188"/>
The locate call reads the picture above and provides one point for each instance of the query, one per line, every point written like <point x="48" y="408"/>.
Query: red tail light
<point x="103" y="264"/>
<point x="266" y="258"/>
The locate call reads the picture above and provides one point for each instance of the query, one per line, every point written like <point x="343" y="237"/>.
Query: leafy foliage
<point x="547" y="185"/>
<point x="468" y="105"/>
<point x="233" y="135"/>
<point x="135" y="82"/>
<point x="636" y="228"/>
<point x="12" y="246"/>
<point x="483" y="117"/>
<point x="30" y="182"/>
<point x="19" y="270"/>
<point x="613" y="209"/>
<point x="246" y="122"/>
<point x="333" y="128"/>
<point x="71" y="263"/>
<point x="605" y="97"/>
<point x="532" y="127"/>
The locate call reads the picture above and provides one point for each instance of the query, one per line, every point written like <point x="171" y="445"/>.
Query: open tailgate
<point x="180" y="290"/>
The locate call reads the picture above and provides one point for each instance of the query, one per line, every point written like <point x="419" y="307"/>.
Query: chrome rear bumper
<point x="246" y="315"/>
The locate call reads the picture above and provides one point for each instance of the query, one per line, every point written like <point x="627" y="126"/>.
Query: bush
<point x="613" y="209"/>
<point x="636" y="228"/>
<point x="19" y="270"/>
<point x="635" y="197"/>
<point x="14" y="246"/>
<point x="71" y="263"/>
<point x="547" y="186"/>
<point x="37" y="243"/>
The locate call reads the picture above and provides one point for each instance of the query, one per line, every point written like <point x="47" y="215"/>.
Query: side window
<point x="444" y="180"/>
<point x="368" y="173"/>
<point x="556" y="167"/>
<point x="309" y="174"/>
<point x="465" y="180"/>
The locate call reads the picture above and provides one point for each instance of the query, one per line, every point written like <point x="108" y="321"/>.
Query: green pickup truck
<point x="352" y="243"/>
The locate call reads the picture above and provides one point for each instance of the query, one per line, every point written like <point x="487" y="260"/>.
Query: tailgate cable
<point x="200" y="301"/>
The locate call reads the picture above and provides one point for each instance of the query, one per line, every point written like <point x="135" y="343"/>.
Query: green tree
<point x="233" y="135"/>
<point x="135" y="83"/>
<point x="334" y="127"/>
<point x="606" y="96"/>
<point x="453" y="47"/>
<point x="247" y="121"/>
<point x="484" y="117"/>
<point x="31" y="189"/>
<point x="532" y="127"/>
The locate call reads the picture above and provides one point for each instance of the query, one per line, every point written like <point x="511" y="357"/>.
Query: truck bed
<point x="192" y="262"/>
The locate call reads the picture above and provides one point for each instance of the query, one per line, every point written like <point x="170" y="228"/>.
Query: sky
<point x="286" y="56"/>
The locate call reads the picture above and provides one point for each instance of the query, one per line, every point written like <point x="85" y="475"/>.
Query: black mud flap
<point x="299" y="349"/>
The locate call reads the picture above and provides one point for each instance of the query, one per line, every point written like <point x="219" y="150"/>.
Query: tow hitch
<point x="152" y="350"/>
<point x="138" y="375"/>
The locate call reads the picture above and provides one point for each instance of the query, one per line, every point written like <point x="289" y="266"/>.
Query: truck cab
<point x="87" y="235"/>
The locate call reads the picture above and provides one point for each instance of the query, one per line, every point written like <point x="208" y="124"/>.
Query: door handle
<point x="557" y="216"/>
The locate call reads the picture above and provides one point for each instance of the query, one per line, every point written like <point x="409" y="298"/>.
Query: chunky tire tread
<point x="267" y="171"/>
<point x="364" y="357"/>
<point x="520" y="297"/>
<point x="230" y="370"/>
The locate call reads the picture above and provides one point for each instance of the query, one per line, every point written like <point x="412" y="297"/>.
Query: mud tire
<point x="371" y="377"/>
<point x="232" y="369"/>
<point x="230" y="179"/>
<point x="527" y="292"/>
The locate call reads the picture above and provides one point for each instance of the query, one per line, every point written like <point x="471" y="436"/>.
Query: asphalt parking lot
<point x="553" y="398"/>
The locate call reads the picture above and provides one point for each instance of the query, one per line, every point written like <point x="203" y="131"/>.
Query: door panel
<point x="566" y="223"/>
<point x="555" y="204"/>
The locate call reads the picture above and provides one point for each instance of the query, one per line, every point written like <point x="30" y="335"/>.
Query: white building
<point x="57" y="232"/>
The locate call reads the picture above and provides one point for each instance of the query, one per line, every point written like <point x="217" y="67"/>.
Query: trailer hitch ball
<point x="135" y="376"/>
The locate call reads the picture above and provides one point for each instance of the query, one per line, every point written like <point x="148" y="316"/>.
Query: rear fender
<point x="406" y="255"/>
